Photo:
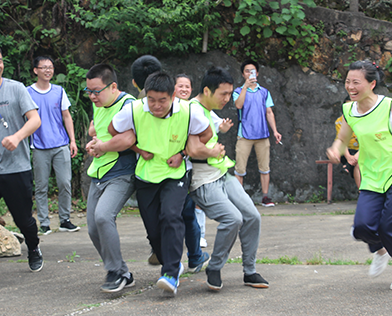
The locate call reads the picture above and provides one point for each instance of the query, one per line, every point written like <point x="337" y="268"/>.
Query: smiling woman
<point x="369" y="117"/>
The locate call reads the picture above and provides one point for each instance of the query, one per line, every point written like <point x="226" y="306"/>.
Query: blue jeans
<point x="373" y="219"/>
<point x="192" y="230"/>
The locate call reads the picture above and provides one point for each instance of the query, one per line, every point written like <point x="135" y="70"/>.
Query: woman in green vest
<point x="368" y="115"/>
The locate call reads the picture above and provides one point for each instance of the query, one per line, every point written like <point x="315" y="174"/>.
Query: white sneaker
<point x="379" y="264"/>
<point x="203" y="243"/>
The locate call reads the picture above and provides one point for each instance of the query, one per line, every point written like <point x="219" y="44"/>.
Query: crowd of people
<point x="166" y="148"/>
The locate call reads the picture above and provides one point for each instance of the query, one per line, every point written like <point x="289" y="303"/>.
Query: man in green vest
<point x="220" y="195"/>
<point x="112" y="176"/>
<point x="162" y="124"/>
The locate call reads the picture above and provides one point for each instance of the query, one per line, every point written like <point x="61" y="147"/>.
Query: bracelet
<point x="182" y="154"/>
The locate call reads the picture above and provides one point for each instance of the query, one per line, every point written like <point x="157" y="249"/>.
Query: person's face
<point x="357" y="86"/>
<point x="159" y="103"/>
<point x="247" y="70"/>
<point x="183" y="88"/>
<point x="220" y="97"/>
<point x="106" y="96"/>
<point x="44" y="70"/>
<point x="1" y="66"/>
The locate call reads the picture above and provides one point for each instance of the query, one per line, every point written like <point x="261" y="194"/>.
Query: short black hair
<point x="370" y="70"/>
<point x="214" y="77"/>
<point x="39" y="58"/>
<point x="249" y="62"/>
<point x="183" y="76"/>
<point x="103" y="71"/>
<point x="160" y="82"/>
<point x="143" y="67"/>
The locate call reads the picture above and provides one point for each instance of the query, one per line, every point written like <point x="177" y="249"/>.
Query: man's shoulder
<point x="13" y="83"/>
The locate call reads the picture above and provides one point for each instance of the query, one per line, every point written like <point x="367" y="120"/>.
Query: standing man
<point x="254" y="106"/>
<point x="218" y="193"/>
<point x="53" y="144"/>
<point x="112" y="176"/>
<point x="16" y="179"/>
<point x="162" y="123"/>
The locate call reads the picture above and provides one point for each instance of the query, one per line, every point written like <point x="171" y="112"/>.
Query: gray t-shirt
<point x="15" y="101"/>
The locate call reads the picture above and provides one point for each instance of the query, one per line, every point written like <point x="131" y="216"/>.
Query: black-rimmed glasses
<point x="95" y="92"/>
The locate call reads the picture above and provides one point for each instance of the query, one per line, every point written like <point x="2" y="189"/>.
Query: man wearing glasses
<point x="53" y="144"/>
<point x="112" y="176"/>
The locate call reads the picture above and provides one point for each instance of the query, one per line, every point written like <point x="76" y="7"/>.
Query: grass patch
<point x="316" y="260"/>
<point x="12" y="228"/>
<point x="339" y="212"/>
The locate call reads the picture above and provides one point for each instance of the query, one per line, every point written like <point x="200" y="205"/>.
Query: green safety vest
<point x="375" y="145"/>
<point x="224" y="163"/>
<point x="163" y="137"/>
<point x="102" y="118"/>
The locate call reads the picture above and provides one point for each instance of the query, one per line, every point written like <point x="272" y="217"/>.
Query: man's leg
<point x="16" y="189"/>
<point x="243" y="148"/>
<point x="262" y="149"/>
<point x="42" y="160"/>
<point x="62" y="168"/>
<point x="148" y="199"/>
<point x="103" y="231"/>
<point x="192" y="230"/>
<point x="172" y="196"/>
<point x="213" y="199"/>
<point x="250" y="231"/>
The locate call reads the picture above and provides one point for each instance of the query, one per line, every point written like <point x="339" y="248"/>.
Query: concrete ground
<point x="308" y="232"/>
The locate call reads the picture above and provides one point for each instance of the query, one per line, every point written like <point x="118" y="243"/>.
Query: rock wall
<point x="306" y="107"/>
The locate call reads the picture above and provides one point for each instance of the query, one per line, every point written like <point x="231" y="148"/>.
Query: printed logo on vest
<point x="174" y="139"/>
<point x="379" y="137"/>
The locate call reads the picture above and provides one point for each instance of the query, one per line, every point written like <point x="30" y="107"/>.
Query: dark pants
<point x="373" y="219"/>
<point x="192" y="231"/>
<point x="17" y="191"/>
<point x="161" y="208"/>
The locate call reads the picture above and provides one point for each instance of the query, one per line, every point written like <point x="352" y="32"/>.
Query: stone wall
<point x="306" y="107"/>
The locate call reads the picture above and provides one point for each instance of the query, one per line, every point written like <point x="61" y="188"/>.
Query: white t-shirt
<point x="65" y="103"/>
<point x="202" y="172"/>
<point x="123" y="120"/>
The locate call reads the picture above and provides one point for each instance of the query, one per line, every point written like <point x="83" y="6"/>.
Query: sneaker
<point x="67" y="226"/>
<point x="116" y="282"/>
<point x="214" y="281"/>
<point x="200" y="264"/>
<point x="153" y="259"/>
<point x="203" y="243"/>
<point x="130" y="281"/>
<point x="255" y="280"/>
<point x="44" y="230"/>
<point x="266" y="201"/>
<point x="36" y="262"/>
<point x="379" y="264"/>
<point x="169" y="283"/>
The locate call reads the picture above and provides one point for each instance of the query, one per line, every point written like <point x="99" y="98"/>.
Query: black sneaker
<point x="114" y="282"/>
<point x="67" y="226"/>
<point x="36" y="262"/>
<point x="44" y="230"/>
<point x="130" y="282"/>
<point x="214" y="281"/>
<point x="255" y="280"/>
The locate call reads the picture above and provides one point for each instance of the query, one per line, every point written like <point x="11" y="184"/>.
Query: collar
<point x="249" y="89"/>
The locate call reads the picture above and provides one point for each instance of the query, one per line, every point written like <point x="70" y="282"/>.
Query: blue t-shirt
<point x="252" y="117"/>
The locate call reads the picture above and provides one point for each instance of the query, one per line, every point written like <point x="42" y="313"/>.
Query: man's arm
<point x="239" y="103"/>
<point x="196" y="149"/>
<point x="119" y="142"/>
<point x="70" y="130"/>
<point x="32" y="124"/>
<point x="271" y="121"/>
